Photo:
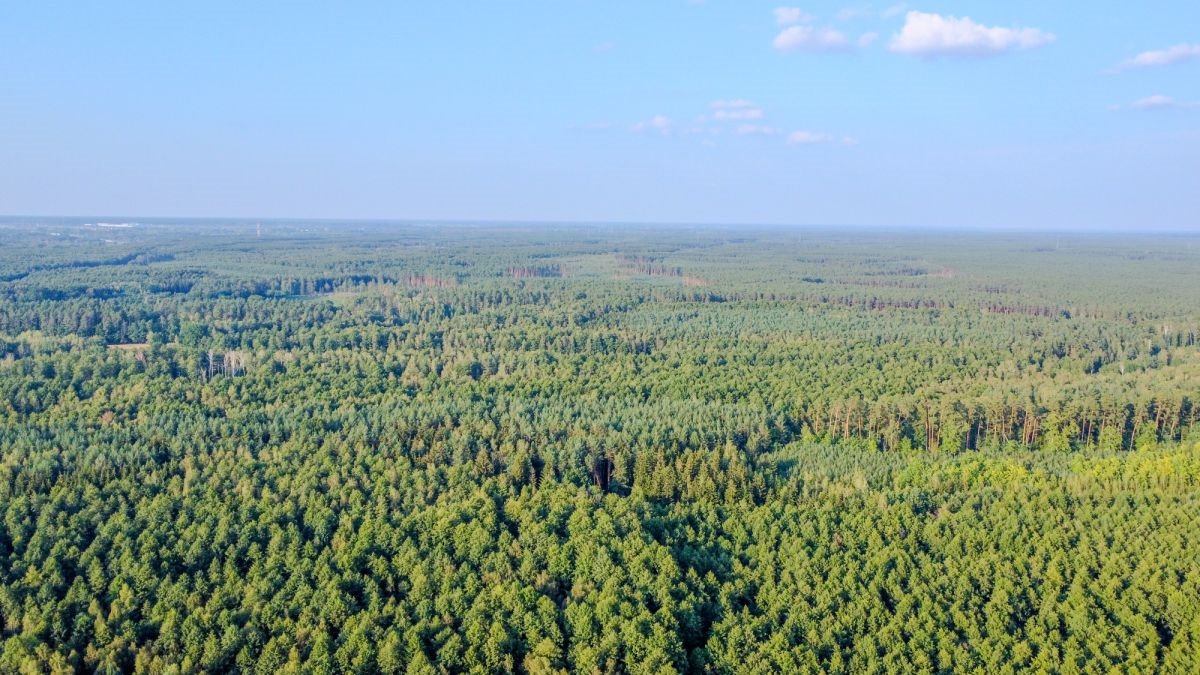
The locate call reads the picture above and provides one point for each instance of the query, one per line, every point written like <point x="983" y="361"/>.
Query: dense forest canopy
<point x="382" y="447"/>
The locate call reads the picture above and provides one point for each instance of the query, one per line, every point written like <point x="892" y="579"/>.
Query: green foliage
<point x="409" y="450"/>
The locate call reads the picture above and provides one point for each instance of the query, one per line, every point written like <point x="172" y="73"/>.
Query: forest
<point x="369" y="447"/>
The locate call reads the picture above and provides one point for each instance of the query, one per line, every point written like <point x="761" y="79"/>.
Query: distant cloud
<point x="660" y="123"/>
<point x="735" y="109"/>
<point x="1156" y="101"/>
<point x="867" y="39"/>
<point x="735" y="117"/>
<point x="1164" y="57"/>
<point x="786" y="16"/>
<point x="757" y="130"/>
<point x="1162" y="102"/>
<point x="932" y="35"/>
<point x="894" y="10"/>
<point x="809" y="38"/>
<point x="852" y="13"/>
<point x="739" y="114"/>
<point x="808" y="138"/>
<point x="603" y="47"/>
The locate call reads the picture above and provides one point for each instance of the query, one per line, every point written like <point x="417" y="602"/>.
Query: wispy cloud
<point x="757" y="130"/>
<point x="1163" y="102"/>
<point x="737" y="109"/>
<point x="867" y="39"/>
<point x="1163" y="57"/>
<point x="786" y="16"/>
<point x="852" y="13"/>
<point x="733" y="117"/>
<point x="659" y="123"/>
<point x="809" y="38"/>
<point x="932" y="35"/>
<point x="746" y="114"/>
<point x="808" y="138"/>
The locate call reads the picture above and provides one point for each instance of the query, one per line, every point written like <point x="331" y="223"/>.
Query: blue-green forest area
<point x="316" y="447"/>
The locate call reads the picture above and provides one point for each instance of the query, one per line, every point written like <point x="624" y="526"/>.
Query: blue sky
<point x="995" y="114"/>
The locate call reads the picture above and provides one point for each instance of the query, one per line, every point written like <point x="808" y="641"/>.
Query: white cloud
<point x="1164" y="57"/>
<point x="725" y="104"/>
<point x="894" y="10"/>
<point x="757" y="130"/>
<point x="808" y="138"/>
<point x="739" y="114"/>
<point x="735" y="109"/>
<point x="786" y="16"/>
<point x="867" y="39"/>
<point x="931" y="35"/>
<point x="808" y="38"/>
<point x="660" y="123"/>
<point x="1162" y="102"/>
<point x="1156" y="101"/>
<point x="852" y="13"/>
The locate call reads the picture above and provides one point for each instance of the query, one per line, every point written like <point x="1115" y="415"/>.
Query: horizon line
<point x="250" y="220"/>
